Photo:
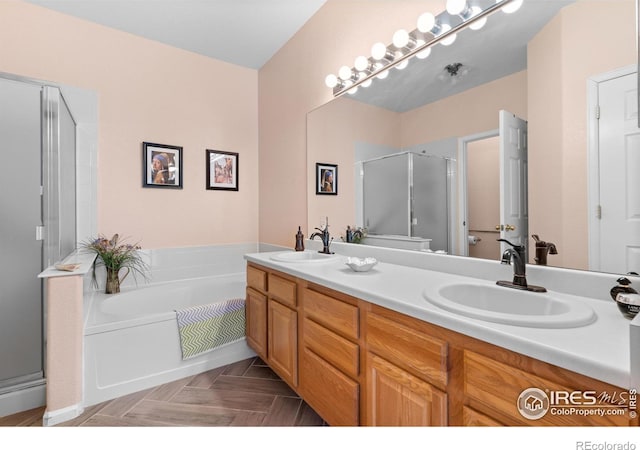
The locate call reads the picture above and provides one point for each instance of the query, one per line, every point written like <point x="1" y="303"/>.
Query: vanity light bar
<point x="419" y="44"/>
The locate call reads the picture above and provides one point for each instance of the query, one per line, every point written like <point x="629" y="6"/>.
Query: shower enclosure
<point x="38" y="226"/>
<point x="408" y="194"/>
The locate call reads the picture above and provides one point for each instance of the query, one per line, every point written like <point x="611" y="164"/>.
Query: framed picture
<point x="161" y="166"/>
<point x="326" y="179"/>
<point x="222" y="170"/>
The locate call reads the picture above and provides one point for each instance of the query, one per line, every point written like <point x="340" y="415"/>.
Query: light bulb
<point x="382" y="75"/>
<point x="455" y="7"/>
<point x="424" y="53"/>
<point x="402" y="65"/>
<point x="426" y="22"/>
<point x="511" y="7"/>
<point x="361" y="63"/>
<point x="353" y="90"/>
<point x="400" y="38"/>
<point x="478" y="23"/>
<point x="378" y="51"/>
<point x="344" y="73"/>
<point x="331" y="80"/>
<point x="366" y="83"/>
<point x="449" y="39"/>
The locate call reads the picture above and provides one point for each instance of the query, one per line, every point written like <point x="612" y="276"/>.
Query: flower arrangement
<point x="115" y="255"/>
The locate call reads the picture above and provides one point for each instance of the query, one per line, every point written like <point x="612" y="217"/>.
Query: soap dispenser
<point x="299" y="241"/>
<point x="622" y="287"/>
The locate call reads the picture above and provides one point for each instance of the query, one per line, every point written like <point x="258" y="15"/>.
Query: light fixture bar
<point x="342" y="88"/>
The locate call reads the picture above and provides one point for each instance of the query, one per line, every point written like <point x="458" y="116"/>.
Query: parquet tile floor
<point x="246" y="393"/>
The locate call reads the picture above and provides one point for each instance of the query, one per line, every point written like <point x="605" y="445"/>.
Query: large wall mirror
<point x="550" y="64"/>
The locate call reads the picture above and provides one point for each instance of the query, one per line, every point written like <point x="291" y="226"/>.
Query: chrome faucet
<point x="324" y="235"/>
<point x="517" y="254"/>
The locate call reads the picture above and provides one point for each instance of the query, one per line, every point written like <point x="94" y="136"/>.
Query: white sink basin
<point x="303" y="257"/>
<point x="510" y="306"/>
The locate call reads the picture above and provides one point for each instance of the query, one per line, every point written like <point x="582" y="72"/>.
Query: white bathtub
<point x="131" y="339"/>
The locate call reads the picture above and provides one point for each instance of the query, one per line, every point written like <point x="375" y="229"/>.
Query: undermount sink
<point x="306" y="257"/>
<point x="513" y="307"/>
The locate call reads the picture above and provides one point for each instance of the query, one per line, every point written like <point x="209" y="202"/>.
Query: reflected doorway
<point x="493" y="189"/>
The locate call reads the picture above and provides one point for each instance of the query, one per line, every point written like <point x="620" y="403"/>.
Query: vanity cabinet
<point x="357" y="363"/>
<point x="272" y="320"/>
<point x="330" y="355"/>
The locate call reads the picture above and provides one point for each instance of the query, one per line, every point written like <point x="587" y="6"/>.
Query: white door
<point x="619" y="163"/>
<point x="513" y="180"/>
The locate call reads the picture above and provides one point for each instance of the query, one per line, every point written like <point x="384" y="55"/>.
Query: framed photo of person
<point x="161" y="166"/>
<point x="326" y="179"/>
<point x="222" y="170"/>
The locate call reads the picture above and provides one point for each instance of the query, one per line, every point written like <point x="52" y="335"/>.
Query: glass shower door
<point x="21" y="256"/>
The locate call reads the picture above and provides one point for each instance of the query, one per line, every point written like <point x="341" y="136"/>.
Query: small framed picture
<point x="222" y="170"/>
<point x="161" y="166"/>
<point x="326" y="179"/>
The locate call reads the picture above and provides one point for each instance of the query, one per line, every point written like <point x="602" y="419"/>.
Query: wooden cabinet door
<point x="472" y="418"/>
<point x="397" y="398"/>
<point x="283" y="341"/>
<point x="328" y="391"/>
<point x="256" y="322"/>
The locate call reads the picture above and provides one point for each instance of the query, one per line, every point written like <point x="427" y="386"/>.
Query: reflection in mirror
<point x="550" y="74"/>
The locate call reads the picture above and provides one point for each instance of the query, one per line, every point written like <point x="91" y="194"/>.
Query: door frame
<point x="463" y="212"/>
<point x="593" y="160"/>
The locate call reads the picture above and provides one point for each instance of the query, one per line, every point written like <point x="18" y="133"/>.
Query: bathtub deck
<point x="246" y="393"/>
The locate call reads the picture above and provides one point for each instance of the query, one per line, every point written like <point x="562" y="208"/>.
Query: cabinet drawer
<point x="422" y="355"/>
<point x="330" y="393"/>
<point x="282" y="289"/>
<point x="257" y="278"/>
<point x="334" y="314"/>
<point x="494" y="386"/>
<point x="335" y="349"/>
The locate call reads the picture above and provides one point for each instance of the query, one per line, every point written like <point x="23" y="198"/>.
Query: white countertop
<point x="599" y="350"/>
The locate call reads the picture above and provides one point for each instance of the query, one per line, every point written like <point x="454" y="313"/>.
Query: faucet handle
<point x="517" y="247"/>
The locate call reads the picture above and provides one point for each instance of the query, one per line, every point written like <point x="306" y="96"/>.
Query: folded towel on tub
<point x="206" y="327"/>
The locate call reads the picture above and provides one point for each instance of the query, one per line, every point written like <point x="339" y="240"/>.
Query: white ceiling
<point x="242" y="32"/>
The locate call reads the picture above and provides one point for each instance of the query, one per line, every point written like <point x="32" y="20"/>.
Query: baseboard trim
<point x="61" y="415"/>
<point x="23" y="399"/>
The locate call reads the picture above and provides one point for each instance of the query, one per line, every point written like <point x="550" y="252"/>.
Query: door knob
<point x="498" y="227"/>
<point x="509" y="227"/>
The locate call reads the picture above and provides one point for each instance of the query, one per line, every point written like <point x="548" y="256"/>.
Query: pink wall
<point x="64" y="342"/>
<point x="557" y="116"/>
<point x="292" y="84"/>
<point x="148" y="92"/>
<point x="470" y="112"/>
